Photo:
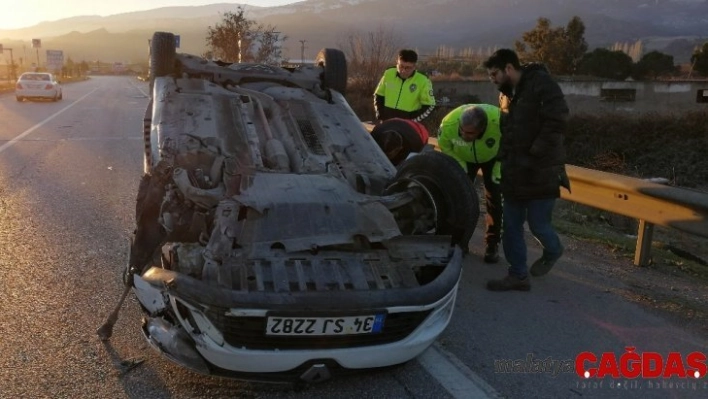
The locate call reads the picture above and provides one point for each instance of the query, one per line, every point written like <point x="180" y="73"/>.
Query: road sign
<point x="177" y="41"/>
<point x="36" y="43"/>
<point x="55" y="60"/>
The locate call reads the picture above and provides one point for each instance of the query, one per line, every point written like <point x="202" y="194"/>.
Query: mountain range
<point x="672" y="26"/>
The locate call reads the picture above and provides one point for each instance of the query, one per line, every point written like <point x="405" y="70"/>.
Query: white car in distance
<point x="34" y="85"/>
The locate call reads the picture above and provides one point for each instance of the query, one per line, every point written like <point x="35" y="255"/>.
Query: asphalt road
<point x="69" y="172"/>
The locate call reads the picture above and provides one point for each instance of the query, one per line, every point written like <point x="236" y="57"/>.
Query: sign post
<point x="55" y="61"/>
<point x="36" y="44"/>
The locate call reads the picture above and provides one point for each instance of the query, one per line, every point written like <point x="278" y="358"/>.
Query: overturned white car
<point x="274" y="239"/>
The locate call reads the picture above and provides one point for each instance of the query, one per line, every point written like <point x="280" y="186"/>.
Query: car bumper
<point x="37" y="93"/>
<point x="195" y="342"/>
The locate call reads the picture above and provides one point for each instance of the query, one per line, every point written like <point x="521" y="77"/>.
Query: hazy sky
<point x="25" y="13"/>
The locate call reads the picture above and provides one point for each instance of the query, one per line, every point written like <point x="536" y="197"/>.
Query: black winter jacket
<point x="533" y="125"/>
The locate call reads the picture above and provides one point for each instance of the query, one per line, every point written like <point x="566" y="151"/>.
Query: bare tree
<point x="369" y="54"/>
<point x="231" y="37"/>
<point x="239" y="39"/>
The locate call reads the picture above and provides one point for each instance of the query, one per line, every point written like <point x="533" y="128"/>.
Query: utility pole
<point x="302" y="51"/>
<point x="37" y="43"/>
<point x="12" y="66"/>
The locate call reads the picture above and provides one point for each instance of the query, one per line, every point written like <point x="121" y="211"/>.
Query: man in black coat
<point x="532" y="159"/>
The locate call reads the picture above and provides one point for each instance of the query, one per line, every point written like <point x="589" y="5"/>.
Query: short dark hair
<point x="408" y="55"/>
<point x="501" y="57"/>
<point x="391" y="140"/>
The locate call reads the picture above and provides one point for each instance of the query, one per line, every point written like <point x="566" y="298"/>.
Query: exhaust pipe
<point x="317" y="373"/>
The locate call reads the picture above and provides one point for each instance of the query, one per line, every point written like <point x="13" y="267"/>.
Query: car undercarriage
<point x="274" y="239"/>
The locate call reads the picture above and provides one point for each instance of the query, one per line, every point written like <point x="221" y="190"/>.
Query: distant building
<point x="119" y="68"/>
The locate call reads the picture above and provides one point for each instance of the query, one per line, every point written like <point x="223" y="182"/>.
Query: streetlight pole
<point x="302" y="51"/>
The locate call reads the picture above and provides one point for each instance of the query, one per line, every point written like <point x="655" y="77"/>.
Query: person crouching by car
<point x="471" y="135"/>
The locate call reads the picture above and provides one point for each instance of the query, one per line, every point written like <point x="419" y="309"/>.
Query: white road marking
<point x="42" y="123"/>
<point x="455" y="376"/>
<point x="139" y="89"/>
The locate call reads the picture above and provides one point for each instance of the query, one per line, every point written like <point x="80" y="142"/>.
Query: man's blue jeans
<point x="538" y="213"/>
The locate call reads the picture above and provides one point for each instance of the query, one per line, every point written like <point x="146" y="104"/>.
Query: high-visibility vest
<point x="406" y="95"/>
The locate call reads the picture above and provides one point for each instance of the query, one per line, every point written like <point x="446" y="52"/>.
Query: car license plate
<point x="305" y="326"/>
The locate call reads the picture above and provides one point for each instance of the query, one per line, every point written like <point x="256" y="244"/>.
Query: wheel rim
<point x="427" y="201"/>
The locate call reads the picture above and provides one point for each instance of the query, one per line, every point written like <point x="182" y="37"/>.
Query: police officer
<point x="403" y="92"/>
<point x="471" y="135"/>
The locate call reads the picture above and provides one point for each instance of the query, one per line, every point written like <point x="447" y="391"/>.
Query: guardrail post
<point x="642" y="254"/>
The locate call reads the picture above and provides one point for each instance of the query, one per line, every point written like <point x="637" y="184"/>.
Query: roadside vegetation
<point x="665" y="146"/>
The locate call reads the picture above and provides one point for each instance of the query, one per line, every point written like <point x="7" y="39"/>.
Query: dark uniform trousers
<point x="493" y="200"/>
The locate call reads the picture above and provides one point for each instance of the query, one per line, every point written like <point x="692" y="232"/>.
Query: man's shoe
<point x="509" y="283"/>
<point x="491" y="255"/>
<point x="544" y="264"/>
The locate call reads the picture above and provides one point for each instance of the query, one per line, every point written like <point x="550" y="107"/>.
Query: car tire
<point x="334" y="64"/>
<point x="455" y="198"/>
<point x="163" y="53"/>
<point x="412" y="133"/>
<point x="19" y="99"/>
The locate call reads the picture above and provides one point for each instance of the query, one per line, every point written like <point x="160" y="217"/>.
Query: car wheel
<point x="162" y="55"/>
<point x="334" y="64"/>
<point x="19" y="99"/>
<point x="413" y="137"/>
<point x="443" y="190"/>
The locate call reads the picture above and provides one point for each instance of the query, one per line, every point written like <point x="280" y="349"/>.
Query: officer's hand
<point x="496" y="173"/>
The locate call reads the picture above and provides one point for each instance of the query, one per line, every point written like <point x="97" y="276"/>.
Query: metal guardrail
<point x="651" y="203"/>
